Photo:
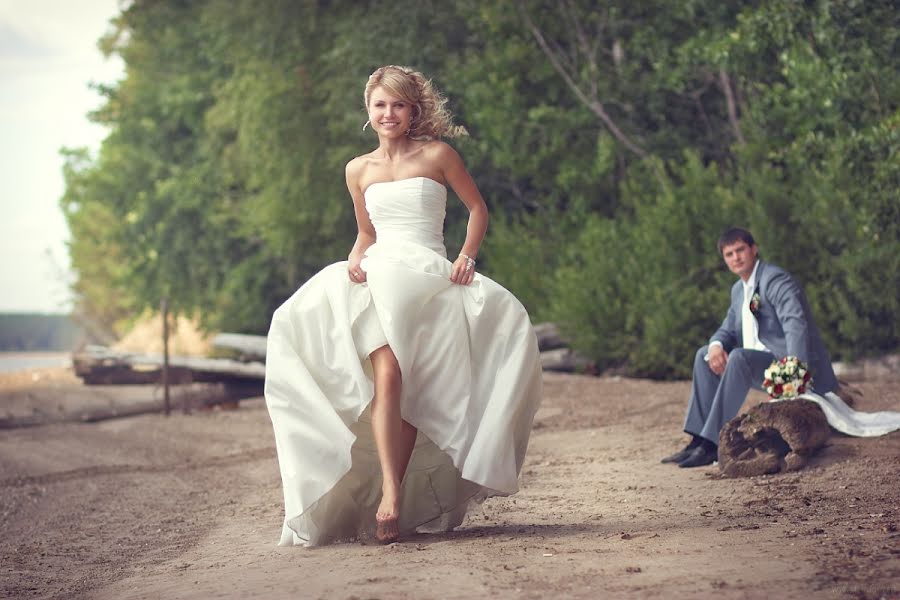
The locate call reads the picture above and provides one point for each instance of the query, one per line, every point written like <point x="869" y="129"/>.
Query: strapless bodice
<point x="409" y="210"/>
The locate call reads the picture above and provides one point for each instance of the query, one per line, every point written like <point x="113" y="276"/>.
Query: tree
<point x="611" y="143"/>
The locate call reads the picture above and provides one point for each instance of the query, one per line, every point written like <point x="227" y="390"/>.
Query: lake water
<point x="23" y="361"/>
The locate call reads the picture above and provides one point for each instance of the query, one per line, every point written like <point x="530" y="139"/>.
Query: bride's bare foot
<point x="387" y="527"/>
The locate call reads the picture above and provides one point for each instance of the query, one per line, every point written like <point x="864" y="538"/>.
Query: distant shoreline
<point x="24" y="361"/>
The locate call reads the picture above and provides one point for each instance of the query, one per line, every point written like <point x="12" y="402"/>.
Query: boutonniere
<point x="755" y="301"/>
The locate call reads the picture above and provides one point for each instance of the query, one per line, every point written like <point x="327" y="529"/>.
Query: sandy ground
<point x="189" y="506"/>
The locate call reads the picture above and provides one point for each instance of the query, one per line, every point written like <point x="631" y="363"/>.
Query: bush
<point x="645" y="289"/>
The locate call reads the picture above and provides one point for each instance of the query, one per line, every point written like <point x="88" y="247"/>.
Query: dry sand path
<point x="190" y="507"/>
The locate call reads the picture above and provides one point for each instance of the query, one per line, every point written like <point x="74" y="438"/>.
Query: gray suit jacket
<point x="786" y="324"/>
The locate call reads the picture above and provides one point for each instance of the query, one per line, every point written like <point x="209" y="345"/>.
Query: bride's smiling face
<point x="389" y="115"/>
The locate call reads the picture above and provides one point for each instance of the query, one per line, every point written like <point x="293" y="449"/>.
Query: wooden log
<point x="254" y="346"/>
<point x="566" y="360"/>
<point x="240" y="390"/>
<point x="772" y="437"/>
<point x="98" y="365"/>
<point x="548" y="337"/>
<point x="250" y="347"/>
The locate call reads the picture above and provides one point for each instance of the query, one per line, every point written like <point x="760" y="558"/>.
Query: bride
<point x="401" y="385"/>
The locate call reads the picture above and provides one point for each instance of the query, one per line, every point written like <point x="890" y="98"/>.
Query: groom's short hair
<point x="735" y="235"/>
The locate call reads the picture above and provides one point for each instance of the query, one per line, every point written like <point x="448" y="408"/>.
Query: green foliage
<point x="612" y="143"/>
<point x="523" y="254"/>
<point x="816" y="181"/>
<point x="641" y="289"/>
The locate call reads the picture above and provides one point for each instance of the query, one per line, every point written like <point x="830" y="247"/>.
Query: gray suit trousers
<point x="715" y="399"/>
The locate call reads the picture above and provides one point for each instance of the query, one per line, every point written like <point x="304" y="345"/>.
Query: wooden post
<point x="164" y="309"/>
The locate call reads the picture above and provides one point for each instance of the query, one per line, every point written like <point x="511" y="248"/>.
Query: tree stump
<point x="772" y="437"/>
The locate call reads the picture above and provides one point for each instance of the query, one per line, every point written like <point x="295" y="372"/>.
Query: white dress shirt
<point x="749" y="324"/>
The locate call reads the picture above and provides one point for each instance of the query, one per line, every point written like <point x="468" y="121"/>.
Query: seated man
<point x="769" y="318"/>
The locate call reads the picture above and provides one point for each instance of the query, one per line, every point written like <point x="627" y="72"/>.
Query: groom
<point x="769" y="318"/>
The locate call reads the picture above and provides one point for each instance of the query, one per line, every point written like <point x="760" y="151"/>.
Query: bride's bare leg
<point x="394" y="439"/>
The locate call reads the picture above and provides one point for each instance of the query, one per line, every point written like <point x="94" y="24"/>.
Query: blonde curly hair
<point x="431" y="120"/>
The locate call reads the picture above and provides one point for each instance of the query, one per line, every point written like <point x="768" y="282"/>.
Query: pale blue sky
<point x="48" y="56"/>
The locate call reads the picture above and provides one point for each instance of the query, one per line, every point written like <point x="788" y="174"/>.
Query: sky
<point x="48" y="59"/>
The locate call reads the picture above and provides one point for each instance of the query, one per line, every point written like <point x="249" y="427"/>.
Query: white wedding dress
<point x="470" y="368"/>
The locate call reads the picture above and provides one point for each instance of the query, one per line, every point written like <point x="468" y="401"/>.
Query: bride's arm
<point x="366" y="231"/>
<point x="458" y="178"/>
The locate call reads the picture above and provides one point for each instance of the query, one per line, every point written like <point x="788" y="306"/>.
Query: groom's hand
<point x="717" y="359"/>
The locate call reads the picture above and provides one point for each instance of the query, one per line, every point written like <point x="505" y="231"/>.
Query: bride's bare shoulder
<point x="360" y="162"/>
<point x="356" y="166"/>
<point x="439" y="152"/>
<point x="437" y="147"/>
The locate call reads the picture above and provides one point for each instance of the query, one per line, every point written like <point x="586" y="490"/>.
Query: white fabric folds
<point x="470" y="367"/>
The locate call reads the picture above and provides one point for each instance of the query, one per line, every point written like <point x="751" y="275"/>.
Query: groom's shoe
<point x="705" y="454"/>
<point x="684" y="452"/>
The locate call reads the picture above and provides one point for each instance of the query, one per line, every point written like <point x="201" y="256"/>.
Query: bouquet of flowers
<point x="787" y="378"/>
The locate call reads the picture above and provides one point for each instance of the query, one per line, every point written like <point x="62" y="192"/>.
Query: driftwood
<point x="225" y="381"/>
<point x="772" y="437"/>
<point x="566" y="360"/>
<point x="548" y="337"/>
<point x="249" y="347"/>
<point x="555" y="355"/>
<point x="98" y="365"/>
